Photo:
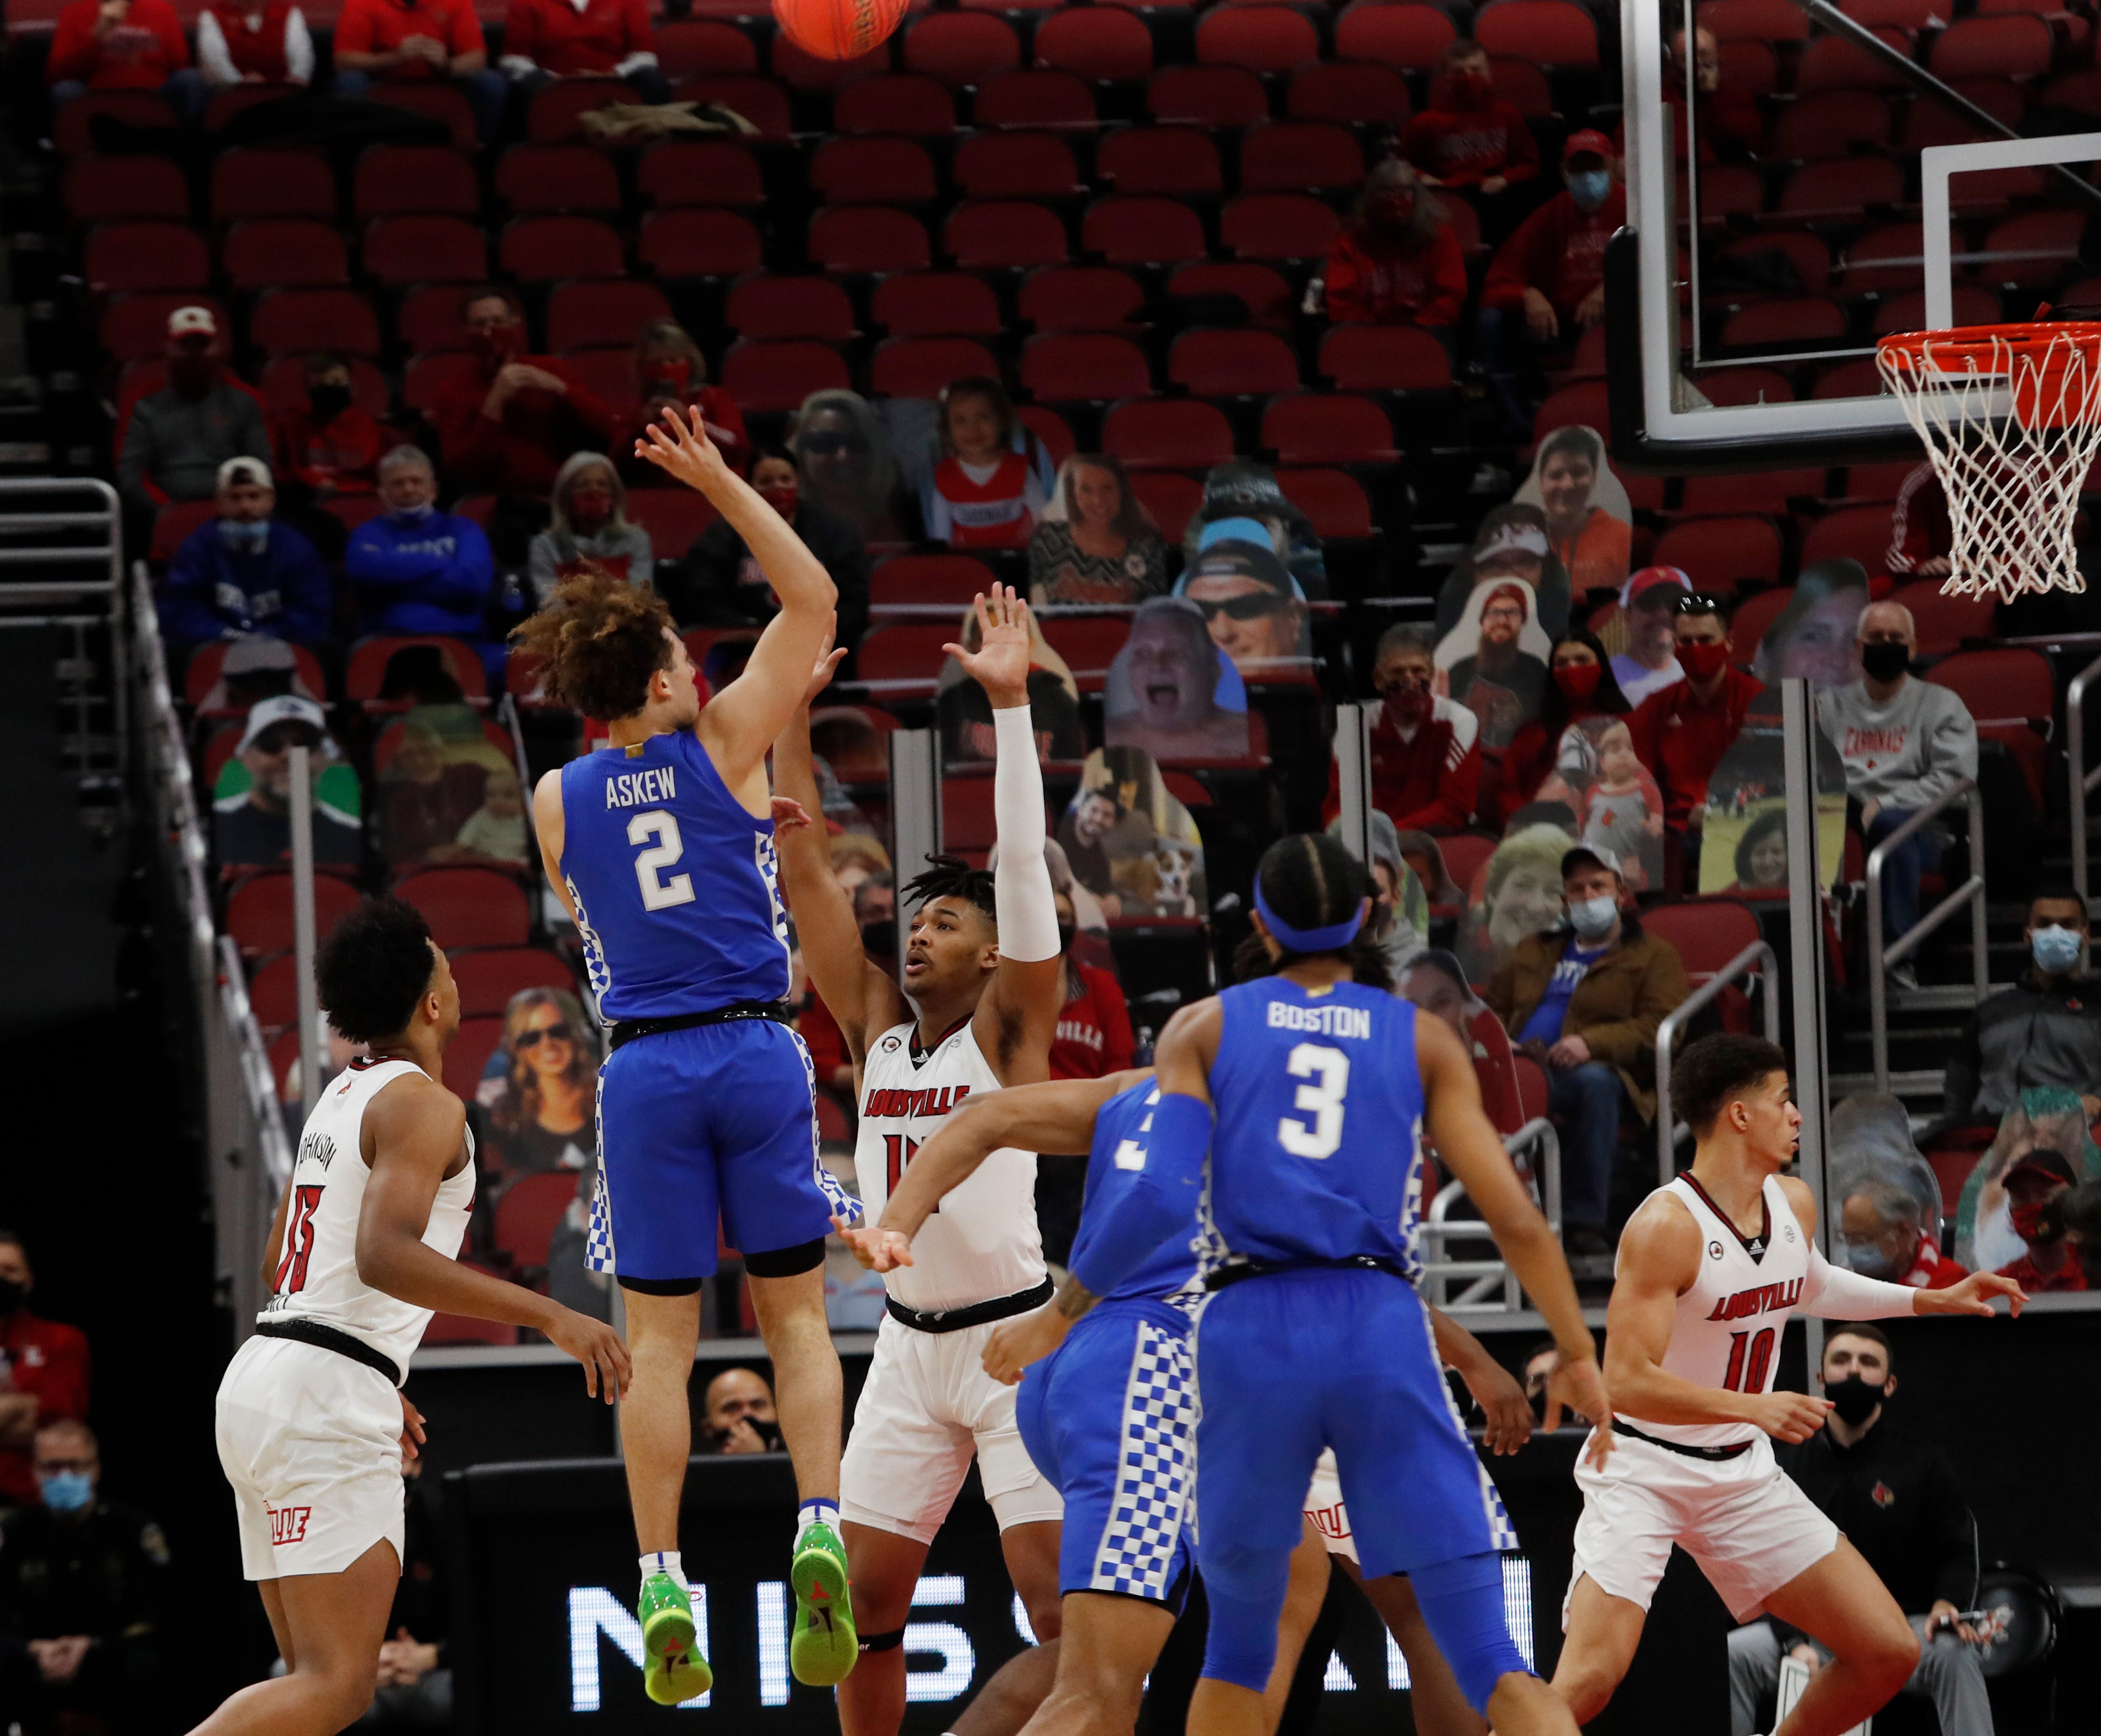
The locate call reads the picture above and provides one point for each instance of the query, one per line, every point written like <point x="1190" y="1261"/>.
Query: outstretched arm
<point x="1837" y="1292"/>
<point x="739" y="725"/>
<point x="1495" y="1388"/>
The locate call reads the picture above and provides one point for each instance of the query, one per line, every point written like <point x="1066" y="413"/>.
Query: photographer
<point x="1895" y="1496"/>
<point x="737" y="1414"/>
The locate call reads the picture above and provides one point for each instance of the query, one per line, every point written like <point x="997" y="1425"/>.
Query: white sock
<point x="819" y="1509"/>
<point x="665" y="1560"/>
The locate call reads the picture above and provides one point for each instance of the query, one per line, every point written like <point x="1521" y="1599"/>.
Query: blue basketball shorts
<point x="714" y="1122"/>
<point x="1110" y="1420"/>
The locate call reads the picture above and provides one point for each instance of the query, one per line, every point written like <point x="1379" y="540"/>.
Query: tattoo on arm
<point x="1073" y="1298"/>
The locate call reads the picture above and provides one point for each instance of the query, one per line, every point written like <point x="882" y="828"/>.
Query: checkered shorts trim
<point x="1156" y="1461"/>
<point x="598" y="1238"/>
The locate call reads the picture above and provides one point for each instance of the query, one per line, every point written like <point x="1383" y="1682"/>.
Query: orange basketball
<point x="839" y="30"/>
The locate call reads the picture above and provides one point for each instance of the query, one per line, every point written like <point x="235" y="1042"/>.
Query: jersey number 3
<point x="658" y="892"/>
<point x="298" y="1241"/>
<point x="1328" y="1071"/>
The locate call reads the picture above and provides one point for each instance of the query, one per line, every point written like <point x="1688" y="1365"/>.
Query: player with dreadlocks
<point x="982" y="983"/>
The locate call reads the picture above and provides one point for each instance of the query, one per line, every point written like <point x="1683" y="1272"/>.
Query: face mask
<point x="1592" y="918"/>
<point x="328" y="402"/>
<point x="251" y="539"/>
<point x="1578" y="681"/>
<point x="66" y="1492"/>
<point x="1853" y="1399"/>
<point x="1869" y="1260"/>
<point x="1411" y="704"/>
<point x="674" y="375"/>
<point x="2056" y="950"/>
<point x="10" y="1296"/>
<point x="1392" y="210"/>
<point x="1589" y="187"/>
<point x="1471" y="90"/>
<point x="500" y="343"/>
<point x="1885" y="661"/>
<point x="417" y="512"/>
<point x="191" y="374"/>
<point x="781" y="497"/>
<point x="2028" y="1220"/>
<point x="1703" y="662"/>
<point x="1065" y="933"/>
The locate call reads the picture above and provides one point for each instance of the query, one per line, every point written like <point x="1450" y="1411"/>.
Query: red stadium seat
<point x="1808" y="255"/>
<point x="1791" y="322"/>
<point x="1928" y="121"/>
<point x="1277" y="226"/>
<point x="1411" y="38"/>
<point x="908" y="652"/>
<point x="2011" y="696"/>
<point x="696" y="242"/>
<point x="226" y="105"/>
<point x="437" y="101"/>
<point x="256" y="181"/>
<point x="540" y="249"/>
<point x="1095" y="42"/>
<point x="962" y="49"/>
<point x="950" y="580"/>
<point x="284" y="320"/>
<point x="1943" y="622"/>
<point x="144" y="256"/>
<point x="268" y="251"/>
<point x="468" y="906"/>
<point x="778" y="374"/>
<point x="1888" y="261"/>
<point x="700" y="171"/>
<point x="1749" y="625"/>
<point x="598" y="311"/>
<point x="1049" y="428"/>
<point x="771" y="307"/>
<point x="1708" y="933"/>
<point x="365" y="674"/>
<point x="1295" y="156"/>
<point x="1082" y="298"/>
<point x="935" y="304"/>
<point x="1334" y="500"/>
<point x="674" y="519"/>
<point x="1584" y="404"/>
<point x="1834" y="62"/>
<point x="607" y="372"/>
<point x="876" y="170"/>
<point x="1168" y="433"/>
<point x="555" y="113"/>
<point x="1755" y="20"/>
<point x="1132" y="230"/>
<point x="488" y="978"/>
<point x="908" y="104"/>
<point x="688" y="46"/>
<point x="758" y="100"/>
<point x="1232" y="363"/>
<point x="1832" y="123"/>
<point x="73" y="127"/>
<point x="556" y="178"/>
<point x="1734" y="386"/>
<point x="1973" y="305"/>
<point x="1040" y="97"/>
<point x="1179" y="161"/>
<point x="401" y="250"/>
<point x="1546" y="33"/>
<point x="110" y="189"/>
<point x="1768" y="493"/>
<point x="1841" y="190"/>
<point x="1088" y="644"/>
<point x="273" y="992"/>
<point x="2011" y="46"/>
<point x="207" y="665"/>
<point x="1060" y="367"/>
<point x="1267" y="39"/>
<point x="863" y="238"/>
<point x="922" y="367"/>
<point x="2032" y="249"/>
<point x="400" y="180"/>
<point x="1263" y="290"/>
<point x="801" y="71"/>
<point x="1384" y="358"/>
<point x="174" y="524"/>
<point x="1721" y="554"/>
<point x="465" y="1057"/>
<point x="1354" y="95"/>
<point x="427" y="317"/>
<point x="1206" y="96"/>
<point x="1003" y="234"/>
<point x="1015" y="165"/>
<point x="258" y="910"/>
<point x="1327" y="428"/>
<point x="529" y="1211"/>
<point x="1170" y="498"/>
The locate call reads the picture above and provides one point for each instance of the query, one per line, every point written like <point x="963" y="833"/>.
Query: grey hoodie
<point x="1905" y="753"/>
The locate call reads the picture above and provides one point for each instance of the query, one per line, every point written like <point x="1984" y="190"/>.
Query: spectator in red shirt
<point x="1469" y="139"/>
<point x="1093" y="1037"/>
<point x="2052" y="1262"/>
<point x="1581" y="686"/>
<point x="1682" y="731"/>
<point x="1396" y="262"/>
<point x="123" y="45"/>
<point x="1425" y="756"/>
<point x="43" y="1374"/>
<point x="253" y="41"/>
<point x="670" y="368"/>
<point x="329" y="446"/>
<point x="410" y="41"/>
<point x="544" y="40"/>
<point x="1547" y="284"/>
<point x="1920" y="538"/>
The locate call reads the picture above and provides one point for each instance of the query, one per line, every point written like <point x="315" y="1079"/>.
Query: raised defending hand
<point x="877" y="1249"/>
<point x="683" y="450"/>
<point x="598" y="1347"/>
<point x="1972" y="1296"/>
<point x="828" y="663"/>
<point x="1789" y="1416"/>
<point x="1577" y="1384"/>
<point x="789" y="814"/>
<point x="1000" y="666"/>
<point x="1502" y="1401"/>
<point x="1027" y="1338"/>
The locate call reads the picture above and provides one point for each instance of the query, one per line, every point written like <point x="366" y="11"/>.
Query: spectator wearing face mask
<point x="1581" y="685"/>
<point x="329" y="447"/>
<point x="589" y="522"/>
<point x="1896" y="1498"/>
<point x="418" y="570"/>
<point x="44" y="1373"/>
<point x="1426" y="755"/>
<point x="739" y="1416"/>
<point x="1681" y="731"/>
<point x="2045" y="1030"/>
<point x="509" y="426"/>
<point x="83" y="1584"/>
<point x="1889" y="1233"/>
<point x="1468" y="138"/>
<point x="722" y="584"/>
<point x="2034" y="1186"/>
<point x="1396" y="262"/>
<point x="670" y="368"/>
<point x="245" y="572"/>
<point x="177" y="438"/>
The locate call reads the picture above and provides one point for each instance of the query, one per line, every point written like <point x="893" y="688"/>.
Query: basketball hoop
<point x="2011" y="415"/>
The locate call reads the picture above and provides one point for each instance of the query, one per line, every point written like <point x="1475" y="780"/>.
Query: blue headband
<point x="1328" y="939"/>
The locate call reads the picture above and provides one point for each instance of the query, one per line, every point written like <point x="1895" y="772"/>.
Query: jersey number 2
<point x="1747" y="1373"/>
<point x="298" y="1241"/>
<point x="1329" y="1069"/>
<point x="658" y="892"/>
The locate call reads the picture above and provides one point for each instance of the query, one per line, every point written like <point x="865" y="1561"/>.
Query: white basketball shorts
<point x="311" y="1442"/>
<point x="1743" y="1520"/>
<point x="927" y="1407"/>
<point x="1324" y="1507"/>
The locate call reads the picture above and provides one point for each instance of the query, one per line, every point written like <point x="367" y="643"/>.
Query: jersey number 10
<point x="1747" y="1373"/>
<point x="1329" y="1069"/>
<point x="658" y="892"/>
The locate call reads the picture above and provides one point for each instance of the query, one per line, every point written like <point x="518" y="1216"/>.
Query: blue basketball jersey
<point x="676" y="886"/>
<point x="1114" y="1161"/>
<point x="1316" y="1153"/>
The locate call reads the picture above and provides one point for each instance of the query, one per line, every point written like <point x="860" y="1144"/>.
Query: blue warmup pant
<point x="1109" y="1419"/>
<point x="1294" y="1362"/>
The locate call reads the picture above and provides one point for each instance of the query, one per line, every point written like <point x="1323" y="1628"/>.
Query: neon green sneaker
<point x="824" y="1646"/>
<point x="673" y="1670"/>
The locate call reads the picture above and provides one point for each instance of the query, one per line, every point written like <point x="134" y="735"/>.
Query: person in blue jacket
<point x="245" y="572"/>
<point x="421" y="571"/>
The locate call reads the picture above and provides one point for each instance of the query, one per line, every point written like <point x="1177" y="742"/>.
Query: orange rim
<point x="2031" y="340"/>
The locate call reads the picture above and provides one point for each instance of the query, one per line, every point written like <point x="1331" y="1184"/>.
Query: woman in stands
<point x="589" y="525"/>
<point x="848" y="467"/>
<point x="543" y="1110"/>
<point x="1095" y="543"/>
<point x="1397" y="262"/>
<point x="1582" y="687"/>
<point x="669" y="368"/>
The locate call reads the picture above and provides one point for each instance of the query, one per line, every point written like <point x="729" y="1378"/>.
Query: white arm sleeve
<point x="1833" y="1292"/>
<point x="213" y="58"/>
<point x="1021" y="881"/>
<point x="298" y="49"/>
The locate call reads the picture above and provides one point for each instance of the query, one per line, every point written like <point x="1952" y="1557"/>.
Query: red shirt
<point x="539" y="429"/>
<point x="1558" y="251"/>
<point x="1463" y="147"/>
<point x="989" y="514"/>
<point x="376" y="27"/>
<point x="1094" y="1035"/>
<point x="260" y="49"/>
<point x="1426" y="784"/>
<point x="51" y="1360"/>
<point x="1681" y="740"/>
<point x="138" y="55"/>
<point x="1373" y="285"/>
<point x="1919" y="526"/>
<point x="2072" y="1275"/>
<point x="346" y="452"/>
<point x="1932" y="1270"/>
<point x="557" y="38"/>
<point x="822" y="1037"/>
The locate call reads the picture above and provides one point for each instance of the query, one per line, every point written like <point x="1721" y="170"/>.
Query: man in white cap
<point x="179" y="437"/>
<point x="245" y="572"/>
<point x="253" y="827"/>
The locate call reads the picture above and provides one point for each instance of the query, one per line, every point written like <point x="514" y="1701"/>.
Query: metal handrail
<point x="1757" y="960"/>
<point x="2082" y="780"/>
<point x="1485" y="1277"/>
<point x="1972" y="892"/>
<point x="108" y="516"/>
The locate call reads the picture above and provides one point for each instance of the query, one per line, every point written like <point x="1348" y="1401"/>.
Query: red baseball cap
<point x="1590" y="142"/>
<point x="1648" y="579"/>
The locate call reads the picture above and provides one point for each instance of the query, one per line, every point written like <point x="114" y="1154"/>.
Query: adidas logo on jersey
<point x="1759" y="1299"/>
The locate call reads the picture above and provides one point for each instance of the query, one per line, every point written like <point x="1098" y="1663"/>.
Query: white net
<point x="2012" y="424"/>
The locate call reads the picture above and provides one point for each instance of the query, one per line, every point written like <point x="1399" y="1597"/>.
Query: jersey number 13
<point x="1328" y="1073"/>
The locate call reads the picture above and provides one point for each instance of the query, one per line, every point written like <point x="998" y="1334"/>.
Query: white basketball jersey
<point x="317" y="1270"/>
<point x="982" y="1241"/>
<point x="1727" y="1328"/>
